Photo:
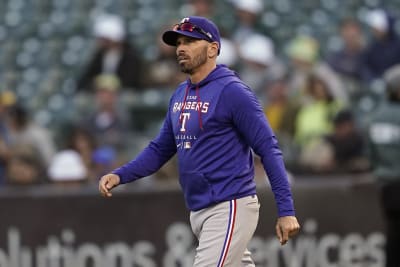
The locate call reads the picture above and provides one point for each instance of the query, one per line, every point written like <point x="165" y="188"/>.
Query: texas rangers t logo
<point x="184" y="118"/>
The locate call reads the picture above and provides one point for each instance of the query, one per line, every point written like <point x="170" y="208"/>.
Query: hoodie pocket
<point x="196" y="189"/>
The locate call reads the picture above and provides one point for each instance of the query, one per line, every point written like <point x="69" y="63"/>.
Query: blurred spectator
<point x="384" y="148"/>
<point x="384" y="49"/>
<point x="303" y="53"/>
<point x="202" y="8"/>
<point x="24" y="167"/>
<point x="113" y="55"/>
<point x="229" y="54"/>
<point x="109" y="122"/>
<point x="314" y="118"/>
<point x="4" y="155"/>
<point x="7" y="99"/>
<point x="82" y="141"/>
<point x="104" y="161"/>
<point x="247" y="13"/>
<point x="163" y="70"/>
<point x="347" y="144"/>
<point x="347" y="60"/>
<point x="259" y="62"/>
<point x="24" y="131"/>
<point x="279" y="108"/>
<point x="281" y="113"/>
<point x="67" y="167"/>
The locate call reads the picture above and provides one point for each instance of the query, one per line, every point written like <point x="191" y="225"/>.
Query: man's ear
<point x="213" y="50"/>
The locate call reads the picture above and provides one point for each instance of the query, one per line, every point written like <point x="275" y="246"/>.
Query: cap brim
<point x="170" y="37"/>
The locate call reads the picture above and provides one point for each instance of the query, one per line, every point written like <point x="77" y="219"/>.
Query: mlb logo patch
<point x="187" y="145"/>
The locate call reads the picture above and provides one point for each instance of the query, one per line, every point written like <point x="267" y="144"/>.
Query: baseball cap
<point x="107" y="82"/>
<point x="258" y="48"/>
<point x="252" y="6"/>
<point x="377" y="19"/>
<point x="228" y="55"/>
<point x="67" y="165"/>
<point x="195" y="27"/>
<point x="109" y="27"/>
<point x="304" y="48"/>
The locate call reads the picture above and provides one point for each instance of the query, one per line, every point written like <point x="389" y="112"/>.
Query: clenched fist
<point x="286" y="227"/>
<point x="108" y="182"/>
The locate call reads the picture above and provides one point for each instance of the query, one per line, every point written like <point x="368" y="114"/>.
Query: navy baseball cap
<point x="195" y="27"/>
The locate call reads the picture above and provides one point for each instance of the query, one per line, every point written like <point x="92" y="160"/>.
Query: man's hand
<point x="286" y="227"/>
<point x="108" y="182"/>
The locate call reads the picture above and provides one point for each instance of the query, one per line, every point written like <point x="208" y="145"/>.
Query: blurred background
<point x="85" y="84"/>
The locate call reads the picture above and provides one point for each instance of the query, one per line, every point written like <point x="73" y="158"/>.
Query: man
<point x="113" y="54"/>
<point x="383" y="50"/>
<point x="346" y="61"/>
<point x="108" y="121"/>
<point x="212" y="123"/>
<point x="384" y="141"/>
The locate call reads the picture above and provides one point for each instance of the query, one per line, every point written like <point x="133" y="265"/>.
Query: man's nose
<point x="180" y="48"/>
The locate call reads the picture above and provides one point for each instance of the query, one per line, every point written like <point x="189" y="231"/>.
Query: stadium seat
<point x="45" y="43"/>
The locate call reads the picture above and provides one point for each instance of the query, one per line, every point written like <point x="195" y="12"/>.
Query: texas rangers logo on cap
<point x="185" y="20"/>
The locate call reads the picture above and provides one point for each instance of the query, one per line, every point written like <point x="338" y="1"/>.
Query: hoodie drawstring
<point x="184" y="104"/>
<point x="198" y="110"/>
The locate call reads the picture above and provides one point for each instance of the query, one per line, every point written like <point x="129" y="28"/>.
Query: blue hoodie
<point x="212" y="126"/>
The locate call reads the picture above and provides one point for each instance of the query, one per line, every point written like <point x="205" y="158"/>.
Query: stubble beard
<point x="192" y="65"/>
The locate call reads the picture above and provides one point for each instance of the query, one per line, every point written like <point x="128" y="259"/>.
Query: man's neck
<point x="202" y="72"/>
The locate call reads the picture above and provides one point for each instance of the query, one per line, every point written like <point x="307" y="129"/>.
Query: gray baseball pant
<point x="223" y="231"/>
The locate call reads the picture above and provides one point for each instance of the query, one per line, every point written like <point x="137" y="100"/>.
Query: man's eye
<point x="186" y="41"/>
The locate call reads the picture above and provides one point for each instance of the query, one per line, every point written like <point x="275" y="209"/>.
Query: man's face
<point x="191" y="53"/>
<point x="352" y="35"/>
<point x="106" y="99"/>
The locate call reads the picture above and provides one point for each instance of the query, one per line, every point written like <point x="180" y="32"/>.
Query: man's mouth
<point x="182" y="59"/>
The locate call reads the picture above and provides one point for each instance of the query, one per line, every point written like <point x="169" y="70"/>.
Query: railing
<point x="55" y="226"/>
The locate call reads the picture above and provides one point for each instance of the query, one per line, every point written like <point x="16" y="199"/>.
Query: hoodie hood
<point x="220" y="71"/>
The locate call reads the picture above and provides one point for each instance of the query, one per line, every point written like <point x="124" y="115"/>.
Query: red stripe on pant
<point x="229" y="233"/>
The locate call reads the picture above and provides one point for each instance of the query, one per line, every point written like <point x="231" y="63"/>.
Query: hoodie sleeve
<point x="152" y="158"/>
<point x="249" y="119"/>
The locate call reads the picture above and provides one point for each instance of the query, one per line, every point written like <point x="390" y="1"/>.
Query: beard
<point x="191" y="65"/>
